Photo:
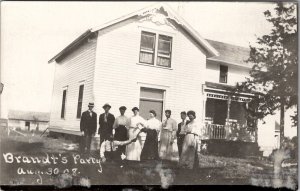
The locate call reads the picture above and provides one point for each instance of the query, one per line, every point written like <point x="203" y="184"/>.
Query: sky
<point x="33" y="32"/>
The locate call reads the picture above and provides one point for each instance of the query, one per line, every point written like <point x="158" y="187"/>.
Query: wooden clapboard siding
<point x="78" y="66"/>
<point x="117" y="73"/>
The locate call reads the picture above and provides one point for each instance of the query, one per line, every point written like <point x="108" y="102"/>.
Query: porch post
<point x="227" y="126"/>
<point x="204" y="108"/>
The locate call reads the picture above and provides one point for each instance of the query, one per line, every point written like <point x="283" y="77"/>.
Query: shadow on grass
<point x="19" y="146"/>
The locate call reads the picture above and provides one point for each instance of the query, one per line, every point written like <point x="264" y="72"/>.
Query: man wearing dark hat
<point x="120" y="126"/>
<point x="106" y="121"/>
<point x="88" y="126"/>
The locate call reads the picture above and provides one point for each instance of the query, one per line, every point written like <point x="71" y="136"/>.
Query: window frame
<point x="223" y="74"/>
<point x="78" y="101"/>
<point x="148" y="51"/>
<point x="64" y="103"/>
<point x="163" y="56"/>
<point x="157" y="35"/>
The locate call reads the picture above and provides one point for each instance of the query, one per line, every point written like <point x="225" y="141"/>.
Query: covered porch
<point x="225" y="113"/>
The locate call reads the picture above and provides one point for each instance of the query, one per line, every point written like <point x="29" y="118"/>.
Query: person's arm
<point x="82" y="122"/>
<point x="99" y="130"/>
<point x="178" y="129"/>
<point x="164" y="123"/>
<point x="115" y="125"/>
<point x="95" y="124"/>
<point x="102" y="149"/>
<point x="144" y="122"/>
<point x="144" y="126"/>
<point x="128" y="123"/>
<point x="113" y="119"/>
<point x="199" y="130"/>
<point x="141" y="123"/>
<point x="159" y="131"/>
<point x="174" y="129"/>
<point x="159" y="126"/>
<point x="122" y="143"/>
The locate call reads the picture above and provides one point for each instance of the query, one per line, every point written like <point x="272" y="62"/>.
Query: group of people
<point x="138" y="139"/>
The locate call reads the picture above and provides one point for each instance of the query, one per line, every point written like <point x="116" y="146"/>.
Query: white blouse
<point x="121" y="120"/>
<point x="153" y="123"/>
<point x="136" y="120"/>
<point x="196" y="128"/>
<point x="193" y="127"/>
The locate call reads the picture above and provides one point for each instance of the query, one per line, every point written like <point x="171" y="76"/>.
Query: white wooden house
<point x="152" y="59"/>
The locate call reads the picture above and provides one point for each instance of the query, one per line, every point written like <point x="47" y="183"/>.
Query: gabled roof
<point x="72" y="45"/>
<point x="170" y="14"/>
<point x="29" y="115"/>
<point x="230" y="54"/>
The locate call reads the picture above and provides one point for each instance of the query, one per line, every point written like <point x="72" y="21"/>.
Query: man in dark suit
<point x="106" y="121"/>
<point x="88" y="127"/>
<point x="181" y="131"/>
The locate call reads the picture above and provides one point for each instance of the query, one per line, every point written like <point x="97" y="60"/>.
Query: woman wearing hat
<point x="189" y="156"/>
<point x="136" y="123"/>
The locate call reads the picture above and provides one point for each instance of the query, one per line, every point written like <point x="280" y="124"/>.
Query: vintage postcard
<point x="149" y="93"/>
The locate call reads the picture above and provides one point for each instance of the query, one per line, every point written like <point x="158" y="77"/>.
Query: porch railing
<point x="214" y="131"/>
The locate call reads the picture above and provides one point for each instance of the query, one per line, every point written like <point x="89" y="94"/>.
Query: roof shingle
<point x="231" y="54"/>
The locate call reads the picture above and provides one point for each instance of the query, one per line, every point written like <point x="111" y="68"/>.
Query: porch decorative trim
<point x="226" y="97"/>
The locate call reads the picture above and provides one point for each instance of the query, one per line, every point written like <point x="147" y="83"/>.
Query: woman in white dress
<point x="136" y="123"/>
<point x="189" y="156"/>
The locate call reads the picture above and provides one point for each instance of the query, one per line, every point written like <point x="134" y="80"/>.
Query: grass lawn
<point x="61" y="165"/>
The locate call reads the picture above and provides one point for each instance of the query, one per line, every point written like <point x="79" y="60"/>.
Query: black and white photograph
<point x="149" y="93"/>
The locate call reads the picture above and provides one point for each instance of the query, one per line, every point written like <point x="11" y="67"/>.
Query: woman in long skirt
<point x="167" y="148"/>
<point x="136" y="123"/>
<point x="189" y="155"/>
<point x="150" y="149"/>
<point x="120" y="127"/>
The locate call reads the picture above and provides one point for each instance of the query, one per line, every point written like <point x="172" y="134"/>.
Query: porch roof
<point x="225" y="89"/>
<point x="220" y="86"/>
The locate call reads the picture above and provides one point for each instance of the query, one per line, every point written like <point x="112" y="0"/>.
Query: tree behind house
<point x="274" y="75"/>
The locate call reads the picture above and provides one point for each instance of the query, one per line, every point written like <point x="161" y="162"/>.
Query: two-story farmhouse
<point x="152" y="59"/>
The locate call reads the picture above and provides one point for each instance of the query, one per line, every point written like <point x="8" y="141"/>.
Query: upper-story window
<point x="147" y="50"/>
<point x="223" y="74"/>
<point x="164" y="51"/>
<point x="155" y="51"/>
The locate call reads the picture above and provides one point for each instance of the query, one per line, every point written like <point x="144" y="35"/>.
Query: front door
<point x="151" y="99"/>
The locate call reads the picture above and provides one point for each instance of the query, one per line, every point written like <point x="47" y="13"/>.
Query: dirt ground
<point x="64" y="166"/>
